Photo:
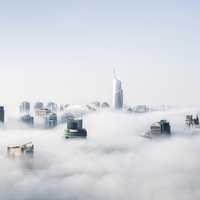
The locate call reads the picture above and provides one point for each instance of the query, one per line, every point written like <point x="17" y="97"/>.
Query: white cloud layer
<point x="114" y="163"/>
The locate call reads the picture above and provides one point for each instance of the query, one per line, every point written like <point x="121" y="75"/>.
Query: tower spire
<point x="114" y="73"/>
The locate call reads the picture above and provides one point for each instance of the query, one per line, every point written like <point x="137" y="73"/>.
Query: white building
<point x="117" y="93"/>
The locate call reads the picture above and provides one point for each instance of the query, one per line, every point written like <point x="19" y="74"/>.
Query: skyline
<point x="72" y="128"/>
<point x="65" y="51"/>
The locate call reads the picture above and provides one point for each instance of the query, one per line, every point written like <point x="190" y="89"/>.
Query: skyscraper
<point x="24" y="107"/>
<point x="1" y="114"/>
<point x="52" y="107"/>
<point x="117" y="93"/>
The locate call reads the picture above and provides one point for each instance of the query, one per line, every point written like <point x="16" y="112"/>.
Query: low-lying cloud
<point x="114" y="163"/>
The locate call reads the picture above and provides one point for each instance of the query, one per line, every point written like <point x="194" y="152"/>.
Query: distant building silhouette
<point x="117" y="93"/>
<point x="75" y="129"/>
<point x="28" y="119"/>
<point x="105" y="105"/>
<point x="42" y="113"/>
<point x="2" y="114"/>
<point x="38" y="105"/>
<point x="52" y="107"/>
<point x="51" y="120"/>
<point x="25" y="107"/>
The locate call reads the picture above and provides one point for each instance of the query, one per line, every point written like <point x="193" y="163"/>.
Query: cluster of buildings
<point x="50" y="115"/>
<point x="45" y="115"/>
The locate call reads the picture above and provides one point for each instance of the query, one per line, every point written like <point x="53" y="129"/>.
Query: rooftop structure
<point x="75" y="129"/>
<point x="19" y="151"/>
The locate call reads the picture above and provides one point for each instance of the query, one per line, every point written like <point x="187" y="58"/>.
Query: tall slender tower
<point x="117" y="93"/>
<point x="2" y="113"/>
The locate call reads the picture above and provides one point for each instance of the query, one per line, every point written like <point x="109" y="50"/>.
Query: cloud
<point x="113" y="163"/>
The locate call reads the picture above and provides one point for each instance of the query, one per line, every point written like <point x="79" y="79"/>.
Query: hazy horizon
<point x="65" y="51"/>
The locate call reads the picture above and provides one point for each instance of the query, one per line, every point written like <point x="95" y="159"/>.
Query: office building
<point x="117" y="93"/>
<point x="2" y="114"/>
<point x="24" y="107"/>
<point x="42" y="113"/>
<point x="38" y="105"/>
<point x="28" y="119"/>
<point x="52" y="107"/>
<point x="105" y="105"/>
<point x="75" y="129"/>
<point x="20" y="150"/>
<point x="51" y="120"/>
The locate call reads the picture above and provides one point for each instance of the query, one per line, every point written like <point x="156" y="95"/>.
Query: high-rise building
<point x="38" y="105"/>
<point x="117" y="93"/>
<point x="2" y="114"/>
<point x="52" y="107"/>
<point x="51" y="120"/>
<point x="28" y="119"/>
<point x="24" y="107"/>
<point x="42" y="113"/>
<point x="75" y="129"/>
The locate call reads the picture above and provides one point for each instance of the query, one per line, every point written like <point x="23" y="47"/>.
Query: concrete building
<point x="117" y="93"/>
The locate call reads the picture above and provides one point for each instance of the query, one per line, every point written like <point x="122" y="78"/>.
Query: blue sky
<point x="66" y="50"/>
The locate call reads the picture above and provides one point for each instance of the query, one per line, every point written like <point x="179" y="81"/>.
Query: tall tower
<point x="117" y="93"/>
<point x="2" y="114"/>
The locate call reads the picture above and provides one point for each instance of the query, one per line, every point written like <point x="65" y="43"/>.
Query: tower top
<point x="114" y="73"/>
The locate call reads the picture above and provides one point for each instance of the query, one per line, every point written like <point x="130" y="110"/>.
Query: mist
<point x="113" y="163"/>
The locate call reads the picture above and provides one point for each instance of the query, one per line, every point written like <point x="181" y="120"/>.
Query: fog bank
<point x="115" y="162"/>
